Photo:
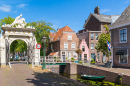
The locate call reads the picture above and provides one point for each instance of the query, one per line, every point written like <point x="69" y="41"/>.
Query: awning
<point x="121" y="52"/>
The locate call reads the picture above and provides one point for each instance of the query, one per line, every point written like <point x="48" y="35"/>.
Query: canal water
<point x="79" y="79"/>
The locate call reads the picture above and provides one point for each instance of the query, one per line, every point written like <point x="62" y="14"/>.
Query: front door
<point x="85" y="58"/>
<point x="93" y="56"/>
<point x="104" y="58"/>
<point x="63" y="56"/>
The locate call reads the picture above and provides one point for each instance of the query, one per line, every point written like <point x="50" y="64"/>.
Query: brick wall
<point x="110" y="76"/>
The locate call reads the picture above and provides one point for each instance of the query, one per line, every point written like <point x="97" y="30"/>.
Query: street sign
<point x="38" y="46"/>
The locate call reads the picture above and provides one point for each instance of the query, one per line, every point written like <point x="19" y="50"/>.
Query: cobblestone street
<point x="23" y="75"/>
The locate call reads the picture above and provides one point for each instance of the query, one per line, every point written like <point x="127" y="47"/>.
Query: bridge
<point x="56" y="60"/>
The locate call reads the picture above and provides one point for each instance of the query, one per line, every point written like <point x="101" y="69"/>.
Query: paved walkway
<point x="126" y="71"/>
<point x="23" y="75"/>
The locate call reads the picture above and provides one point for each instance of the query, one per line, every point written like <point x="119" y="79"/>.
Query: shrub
<point x="72" y="59"/>
<point x="54" y="57"/>
<point x="92" y="61"/>
<point x="80" y="62"/>
<point x="11" y="59"/>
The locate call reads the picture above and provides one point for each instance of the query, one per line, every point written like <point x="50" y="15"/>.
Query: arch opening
<point x="18" y="50"/>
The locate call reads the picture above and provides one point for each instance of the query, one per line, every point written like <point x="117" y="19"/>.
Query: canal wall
<point x="110" y="76"/>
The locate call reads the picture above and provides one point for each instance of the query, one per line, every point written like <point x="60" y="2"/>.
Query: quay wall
<point x="72" y="68"/>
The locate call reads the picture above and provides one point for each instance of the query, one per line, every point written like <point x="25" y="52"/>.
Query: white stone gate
<point x="18" y="31"/>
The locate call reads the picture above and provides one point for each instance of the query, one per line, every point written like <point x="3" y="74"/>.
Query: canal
<point x="79" y="79"/>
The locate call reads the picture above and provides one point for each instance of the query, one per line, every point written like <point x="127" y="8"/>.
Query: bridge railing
<point x="56" y="59"/>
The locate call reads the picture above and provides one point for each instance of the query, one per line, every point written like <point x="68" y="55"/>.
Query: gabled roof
<point x="124" y="18"/>
<point x="100" y="18"/>
<point x="60" y="31"/>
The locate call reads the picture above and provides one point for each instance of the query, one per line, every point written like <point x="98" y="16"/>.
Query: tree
<point x="42" y="29"/>
<point x="78" y="51"/>
<point x="102" y="42"/>
<point x="6" y="20"/>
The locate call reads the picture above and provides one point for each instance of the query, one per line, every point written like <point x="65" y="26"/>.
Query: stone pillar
<point x="69" y="68"/>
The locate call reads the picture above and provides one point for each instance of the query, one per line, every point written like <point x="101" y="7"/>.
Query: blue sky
<point x="60" y="12"/>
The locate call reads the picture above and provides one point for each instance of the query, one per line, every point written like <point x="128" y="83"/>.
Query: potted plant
<point x="72" y="59"/>
<point x="78" y="51"/>
<point x="54" y="59"/>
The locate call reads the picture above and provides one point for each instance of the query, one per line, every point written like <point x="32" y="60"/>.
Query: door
<point x="104" y="58"/>
<point x="85" y="58"/>
<point x="63" y="56"/>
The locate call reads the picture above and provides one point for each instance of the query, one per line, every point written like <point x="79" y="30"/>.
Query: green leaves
<point x="102" y="42"/>
<point x="6" y="20"/>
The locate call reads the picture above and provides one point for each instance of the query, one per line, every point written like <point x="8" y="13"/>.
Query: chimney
<point x="96" y="10"/>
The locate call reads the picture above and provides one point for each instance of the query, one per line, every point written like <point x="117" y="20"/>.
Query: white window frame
<point x="120" y="37"/>
<point x="66" y="45"/>
<point x="75" y="54"/>
<point x="93" y="46"/>
<point x="74" y="46"/>
<point x="96" y="36"/>
<point x="91" y="36"/>
<point x="84" y="48"/>
<point x="70" y="37"/>
<point x="127" y="58"/>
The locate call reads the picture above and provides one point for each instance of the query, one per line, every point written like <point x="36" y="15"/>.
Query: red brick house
<point x="94" y="27"/>
<point x="120" y="39"/>
<point x="63" y="43"/>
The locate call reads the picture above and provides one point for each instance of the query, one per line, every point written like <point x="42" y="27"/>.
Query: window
<point x="72" y="45"/>
<point x="85" y="56"/>
<point x="123" y="58"/>
<point x="92" y="36"/>
<point x="104" y="27"/>
<point x="69" y="37"/>
<point x="74" y="54"/>
<point x="92" y="46"/>
<point x="123" y="35"/>
<point x="96" y="36"/>
<point x="65" y="45"/>
<point x="83" y="48"/>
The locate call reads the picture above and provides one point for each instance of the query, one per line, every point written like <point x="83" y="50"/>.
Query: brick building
<point x="120" y="39"/>
<point x="94" y="27"/>
<point x="63" y="43"/>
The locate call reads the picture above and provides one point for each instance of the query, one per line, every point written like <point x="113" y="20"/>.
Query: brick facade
<point x="115" y="41"/>
<point x="61" y="37"/>
<point x="93" y="26"/>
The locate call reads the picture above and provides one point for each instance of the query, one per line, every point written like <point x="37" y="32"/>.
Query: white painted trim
<point x="112" y="56"/>
<point x="69" y="32"/>
<point x="64" y="45"/>
<point x="120" y="26"/>
<point x="94" y="31"/>
<point x="68" y="37"/>
<point x="71" y="45"/>
<point x="127" y="58"/>
<point x="126" y="35"/>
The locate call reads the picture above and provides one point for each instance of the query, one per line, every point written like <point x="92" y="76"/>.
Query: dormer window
<point x="69" y="37"/>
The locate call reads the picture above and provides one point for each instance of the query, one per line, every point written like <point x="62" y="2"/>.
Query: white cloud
<point x="21" y="5"/>
<point x="105" y="10"/>
<point x="15" y="11"/>
<point x="5" y="8"/>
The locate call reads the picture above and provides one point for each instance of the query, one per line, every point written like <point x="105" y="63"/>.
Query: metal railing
<point x="58" y="59"/>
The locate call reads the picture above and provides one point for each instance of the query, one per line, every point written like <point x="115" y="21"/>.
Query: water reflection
<point x="90" y="82"/>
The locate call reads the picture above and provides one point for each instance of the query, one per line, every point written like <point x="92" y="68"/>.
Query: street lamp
<point x="44" y="63"/>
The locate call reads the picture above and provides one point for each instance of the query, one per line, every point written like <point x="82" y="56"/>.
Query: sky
<point x="60" y="12"/>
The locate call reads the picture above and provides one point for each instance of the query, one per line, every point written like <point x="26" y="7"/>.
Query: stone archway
<point x="16" y="31"/>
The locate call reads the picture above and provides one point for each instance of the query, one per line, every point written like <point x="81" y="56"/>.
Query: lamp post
<point x="44" y="63"/>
